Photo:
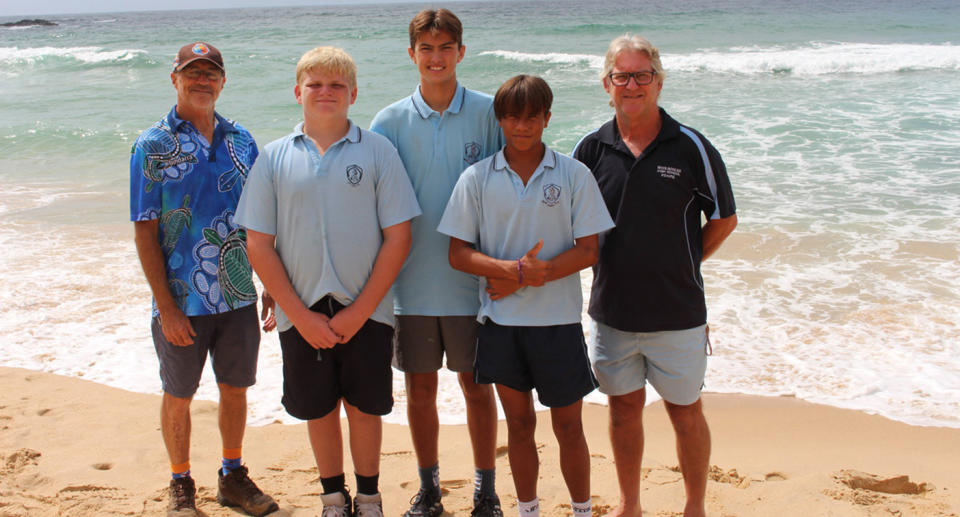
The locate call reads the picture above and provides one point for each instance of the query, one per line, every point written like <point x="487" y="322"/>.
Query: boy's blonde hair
<point x="328" y="59"/>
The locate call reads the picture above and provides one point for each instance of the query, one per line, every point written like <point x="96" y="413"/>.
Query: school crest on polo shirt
<point x="354" y="174"/>
<point x="551" y="194"/>
<point x="471" y="153"/>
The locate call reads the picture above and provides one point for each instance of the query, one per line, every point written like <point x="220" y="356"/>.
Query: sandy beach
<point x="74" y="447"/>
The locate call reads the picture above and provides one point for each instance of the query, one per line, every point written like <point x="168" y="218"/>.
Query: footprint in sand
<point x="895" y="485"/>
<point x="102" y="466"/>
<point x="776" y="476"/>
<point x="502" y="451"/>
<point x="43" y="412"/>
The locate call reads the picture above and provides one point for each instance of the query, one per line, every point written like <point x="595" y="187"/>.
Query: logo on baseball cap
<point x="195" y="52"/>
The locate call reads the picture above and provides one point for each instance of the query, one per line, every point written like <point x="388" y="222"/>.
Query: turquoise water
<point x="838" y="122"/>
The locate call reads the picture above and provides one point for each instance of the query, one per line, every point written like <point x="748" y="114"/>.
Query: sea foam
<point x="811" y="59"/>
<point x="32" y="55"/>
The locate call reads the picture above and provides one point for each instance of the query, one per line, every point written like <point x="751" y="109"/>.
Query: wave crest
<point x="810" y="59"/>
<point x="84" y="55"/>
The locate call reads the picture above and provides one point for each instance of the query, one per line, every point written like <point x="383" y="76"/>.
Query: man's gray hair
<point x="631" y="43"/>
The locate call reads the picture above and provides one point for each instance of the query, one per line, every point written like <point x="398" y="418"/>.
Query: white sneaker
<point x="368" y="505"/>
<point x="336" y="504"/>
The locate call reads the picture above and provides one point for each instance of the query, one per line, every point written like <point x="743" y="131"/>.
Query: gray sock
<point x="430" y="478"/>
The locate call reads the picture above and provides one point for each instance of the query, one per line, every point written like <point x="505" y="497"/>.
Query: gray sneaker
<point x="336" y="504"/>
<point x="368" y="506"/>
<point x="182" y="498"/>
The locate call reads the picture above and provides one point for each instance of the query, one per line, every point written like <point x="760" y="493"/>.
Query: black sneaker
<point x="425" y="504"/>
<point x="486" y="506"/>
<point x="182" y="498"/>
<point x="237" y="489"/>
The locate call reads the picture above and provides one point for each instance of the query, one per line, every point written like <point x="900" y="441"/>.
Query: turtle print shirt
<point x="192" y="186"/>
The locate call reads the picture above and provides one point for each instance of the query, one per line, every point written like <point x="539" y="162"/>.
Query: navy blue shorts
<point x="314" y="380"/>
<point x="553" y="360"/>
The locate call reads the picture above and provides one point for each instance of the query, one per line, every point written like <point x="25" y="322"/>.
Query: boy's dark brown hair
<point x="435" y="20"/>
<point x="522" y="94"/>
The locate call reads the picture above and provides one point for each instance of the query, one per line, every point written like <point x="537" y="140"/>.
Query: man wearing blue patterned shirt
<point x="186" y="175"/>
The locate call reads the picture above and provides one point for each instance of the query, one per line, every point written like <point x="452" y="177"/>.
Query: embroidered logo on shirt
<point x="551" y="194"/>
<point x="354" y="174"/>
<point x="471" y="153"/>
<point x="670" y="173"/>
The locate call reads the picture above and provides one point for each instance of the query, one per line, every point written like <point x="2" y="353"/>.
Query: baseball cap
<point x="196" y="51"/>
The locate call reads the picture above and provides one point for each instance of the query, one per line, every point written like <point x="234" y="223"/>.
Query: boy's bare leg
<point x="366" y="436"/>
<point x="481" y="420"/>
<point x="422" y="416"/>
<point x="522" y="447"/>
<point x="327" y="443"/>
<point x="574" y="454"/>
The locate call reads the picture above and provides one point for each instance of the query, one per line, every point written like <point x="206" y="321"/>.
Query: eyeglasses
<point x="194" y="74"/>
<point x="623" y="78"/>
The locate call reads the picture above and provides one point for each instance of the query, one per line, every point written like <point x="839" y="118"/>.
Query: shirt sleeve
<point x="716" y="182"/>
<point x="396" y="200"/>
<point x="590" y="215"/>
<point x="146" y="201"/>
<point x="461" y="217"/>
<point x="257" y="209"/>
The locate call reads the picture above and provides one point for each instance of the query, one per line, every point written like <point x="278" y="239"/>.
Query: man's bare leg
<point x="693" y="452"/>
<point x="175" y="427"/>
<point x="232" y="415"/>
<point x="626" y="438"/>
<point x="481" y="420"/>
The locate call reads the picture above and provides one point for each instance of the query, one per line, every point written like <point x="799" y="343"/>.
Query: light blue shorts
<point x="674" y="361"/>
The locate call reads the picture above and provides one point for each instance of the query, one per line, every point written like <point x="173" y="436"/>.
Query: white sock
<point x="584" y="509"/>
<point x="529" y="508"/>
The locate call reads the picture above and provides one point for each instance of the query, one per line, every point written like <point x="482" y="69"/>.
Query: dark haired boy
<point x="527" y="220"/>
<point x="439" y="130"/>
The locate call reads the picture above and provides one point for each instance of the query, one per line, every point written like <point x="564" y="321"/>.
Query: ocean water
<point x="838" y="122"/>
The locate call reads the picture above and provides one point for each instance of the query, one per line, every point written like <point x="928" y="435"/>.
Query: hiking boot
<point x="425" y="504"/>
<point x="486" y="506"/>
<point x="336" y="504"/>
<point x="367" y="506"/>
<point x="183" y="498"/>
<point x="237" y="489"/>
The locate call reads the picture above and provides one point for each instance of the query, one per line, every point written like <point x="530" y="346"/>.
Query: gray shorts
<point x="673" y="361"/>
<point x="233" y="341"/>
<point x="420" y="342"/>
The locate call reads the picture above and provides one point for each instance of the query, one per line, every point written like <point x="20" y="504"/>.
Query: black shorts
<point x="551" y="359"/>
<point x="314" y="380"/>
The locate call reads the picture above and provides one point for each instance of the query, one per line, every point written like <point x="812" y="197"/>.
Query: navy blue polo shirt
<point x="648" y="276"/>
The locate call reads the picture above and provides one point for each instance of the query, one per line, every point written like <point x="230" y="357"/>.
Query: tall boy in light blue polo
<point x="527" y="221"/>
<point x="327" y="211"/>
<point x="439" y="130"/>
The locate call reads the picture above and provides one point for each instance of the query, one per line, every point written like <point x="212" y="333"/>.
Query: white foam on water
<point x="548" y="57"/>
<point x="32" y="55"/>
<point x="811" y="59"/>
<point x="819" y="58"/>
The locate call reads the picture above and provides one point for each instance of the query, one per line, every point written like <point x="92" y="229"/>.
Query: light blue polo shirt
<point x="327" y="211"/>
<point x="435" y="149"/>
<point x="492" y="209"/>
